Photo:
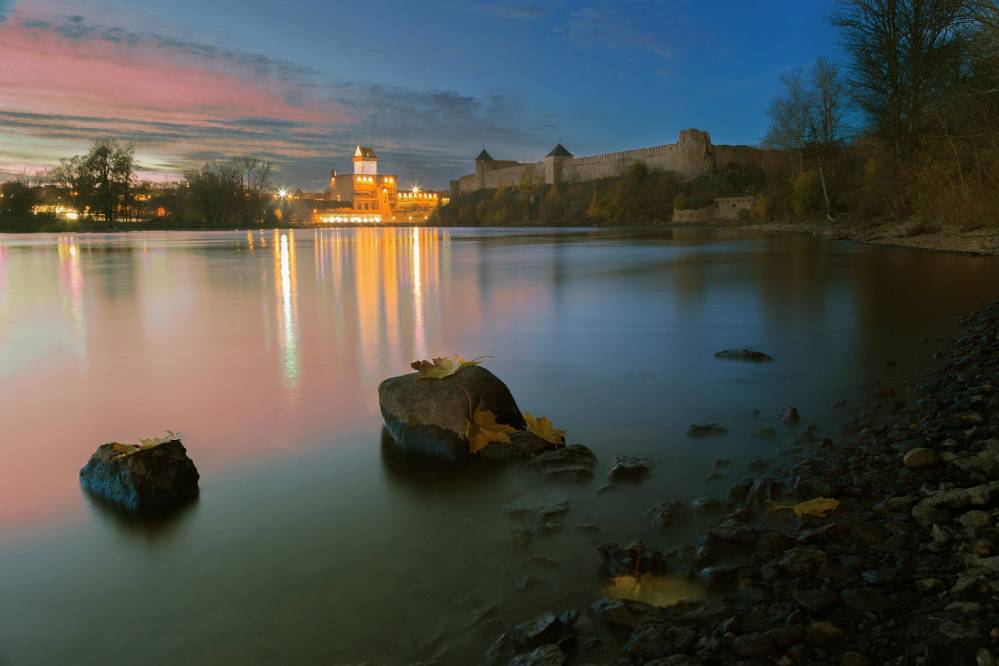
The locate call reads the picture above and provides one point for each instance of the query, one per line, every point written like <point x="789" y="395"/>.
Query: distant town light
<point x="282" y="193"/>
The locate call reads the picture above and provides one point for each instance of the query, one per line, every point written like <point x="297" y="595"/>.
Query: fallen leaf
<point x="483" y="429"/>
<point x="442" y="367"/>
<point x="655" y="590"/>
<point x="813" y="507"/>
<point x="124" y="450"/>
<point x="543" y="428"/>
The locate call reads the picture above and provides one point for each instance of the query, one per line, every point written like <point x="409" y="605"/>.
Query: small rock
<point x="766" y="432"/>
<point x="528" y="583"/>
<point x="625" y="612"/>
<point x="630" y="468"/>
<point x="546" y="628"/>
<point x="743" y="355"/>
<point x="538" y="506"/>
<point x="586" y="528"/>
<point x="665" y="514"/>
<point x="542" y="561"/>
<point x="941" y="534"/>
<point x="976" y="519"/>
<point x="920" y="457"/>
<point x="137" y="478"/>
<point x="634" y="559"/>
<point x="546" y="655"/>
<point x="569" y="463"/>
<point x="789" y="415"/>
<point x="705" y="429"/>
<point x="825" y="633"/>
<point x="658" y="640"/>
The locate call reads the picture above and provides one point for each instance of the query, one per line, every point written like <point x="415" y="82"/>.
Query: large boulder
<point x="142" y="477"/>
<point x="430" y="416"/>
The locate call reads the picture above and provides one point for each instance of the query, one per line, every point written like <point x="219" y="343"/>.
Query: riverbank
<point x="981" y="241"/>
<point x="902" y="568"/>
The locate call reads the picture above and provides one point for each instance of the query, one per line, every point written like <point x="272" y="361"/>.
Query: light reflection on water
<point x="313" y="539"/>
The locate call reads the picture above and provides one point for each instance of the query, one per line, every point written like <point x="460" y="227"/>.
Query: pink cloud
<point x="46" y="71"/>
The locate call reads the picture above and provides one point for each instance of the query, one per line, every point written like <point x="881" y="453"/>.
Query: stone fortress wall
<point x="691" y="156"/>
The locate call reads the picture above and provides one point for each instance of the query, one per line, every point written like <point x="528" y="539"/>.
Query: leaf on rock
<point x="442" y="367"/>
<point x="543" y="428"/>
<point x="124" y="450"/>
<point x="654" y="590"/>
<point x="483" y="429"/>
<point x="814" y="507"/>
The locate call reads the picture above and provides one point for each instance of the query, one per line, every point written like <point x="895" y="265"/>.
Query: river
<point x="312" y="540"/>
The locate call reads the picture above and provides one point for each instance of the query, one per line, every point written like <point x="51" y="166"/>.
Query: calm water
<point x="311" y="541"/>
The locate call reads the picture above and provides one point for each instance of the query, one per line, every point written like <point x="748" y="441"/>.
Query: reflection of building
<point x="375" y="197"/>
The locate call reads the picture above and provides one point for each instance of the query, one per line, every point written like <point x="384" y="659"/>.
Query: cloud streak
<point x="67" y="80"/>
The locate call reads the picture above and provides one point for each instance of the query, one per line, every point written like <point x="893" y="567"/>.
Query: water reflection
<point x="268" y="363"/>
<point x="286" y="286"/>
<point x="71" y="290"/>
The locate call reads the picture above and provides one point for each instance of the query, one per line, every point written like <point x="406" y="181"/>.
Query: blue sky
<point x="300" y="82"/>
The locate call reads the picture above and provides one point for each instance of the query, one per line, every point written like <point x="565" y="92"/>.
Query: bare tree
<point x="903" y="55"/>
<point x="826" y="113"/>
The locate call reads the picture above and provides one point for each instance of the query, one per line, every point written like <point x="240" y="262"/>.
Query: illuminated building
<point x="375" y="198"/>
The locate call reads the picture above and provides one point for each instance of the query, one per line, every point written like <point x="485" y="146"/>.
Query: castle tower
<point x="483" y="163"/>
<point x="555" y="162"/>
<point x="365" y="161"/>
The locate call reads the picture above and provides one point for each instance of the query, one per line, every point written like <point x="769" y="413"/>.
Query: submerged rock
<point x="158" y="476"/>
<point x="789" y="415"/>
<point x="430" y="416"/>
<point x="546" y="655"/>
<point x="570" y="463"/>
<point x="630" y="468"/>
<point x="539" y="506"/>
<point x="665" y="514"/>
<point x="743" y="355"/>
<point x="705" y="429"/>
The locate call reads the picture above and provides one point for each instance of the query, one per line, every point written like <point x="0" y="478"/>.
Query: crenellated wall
<point x="691" y="156"/>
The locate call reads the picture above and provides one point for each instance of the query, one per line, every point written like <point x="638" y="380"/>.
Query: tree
<point x="101" y="180"/>
<point x="828" y="108"/>
<point x="904" y="54"/>
<point x="111" y="168"/>
<point x="17" y="196"/>
<point x="806" y="120"/>
<point x="233" y="191"/>
<point x="75" y="179"/>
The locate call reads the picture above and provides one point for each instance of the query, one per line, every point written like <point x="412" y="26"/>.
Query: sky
<point x="300" y="82"/>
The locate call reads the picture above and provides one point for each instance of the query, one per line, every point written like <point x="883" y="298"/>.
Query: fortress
<point x="691" y="156"/>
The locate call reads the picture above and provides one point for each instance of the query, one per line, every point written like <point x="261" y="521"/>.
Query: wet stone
<point x="705" y="429"/>
<point x="634" y="559"/>
<point x="569" y="463"/>
<point x="744" y="354"/>
<point x="630" y="468"/>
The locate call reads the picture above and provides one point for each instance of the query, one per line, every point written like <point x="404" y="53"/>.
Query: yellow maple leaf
<point x="813" y="507"/>
<point x="124" y="450"/>
<point x="482" y="429"/>
<point x="654" y="590"/>
<point x="442" y="367"/>
<point x="543" y="428"/>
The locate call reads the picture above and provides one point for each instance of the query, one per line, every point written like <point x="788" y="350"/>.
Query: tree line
<point x="102" y="186"/>
<point x="906" y="128"/>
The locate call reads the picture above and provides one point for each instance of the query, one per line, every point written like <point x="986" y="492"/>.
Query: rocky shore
<point x="983" y="240"/>
<point x="902" y="568"/>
